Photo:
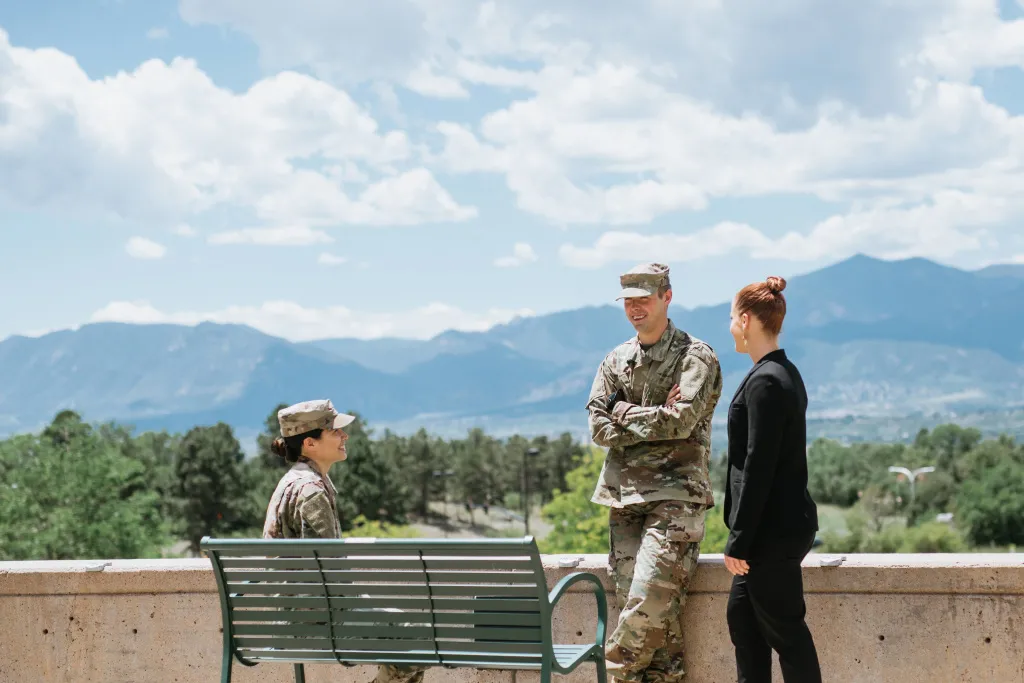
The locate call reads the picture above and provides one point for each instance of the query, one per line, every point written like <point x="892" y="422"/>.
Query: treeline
<point x="973" y="500"/>
<point x="978" y="483"/>
<point x="77" y="490"/>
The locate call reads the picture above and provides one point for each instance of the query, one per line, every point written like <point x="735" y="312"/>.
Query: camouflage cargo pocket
<point x="685" y="521"/>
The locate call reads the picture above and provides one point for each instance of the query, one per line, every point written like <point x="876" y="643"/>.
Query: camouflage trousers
<point x="394" y="673"/>
<point x="654" y="550"/>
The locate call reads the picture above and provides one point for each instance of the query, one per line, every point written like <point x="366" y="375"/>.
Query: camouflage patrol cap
<point x="309" y="415"/>
<point x="643" y="280"/>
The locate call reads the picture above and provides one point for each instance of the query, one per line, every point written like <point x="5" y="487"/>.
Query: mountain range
<point x="873" y="339"/>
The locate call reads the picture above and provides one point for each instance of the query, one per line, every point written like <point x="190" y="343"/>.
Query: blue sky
<point x="400" y="167"/>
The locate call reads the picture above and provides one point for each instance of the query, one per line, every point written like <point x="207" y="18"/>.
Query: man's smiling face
<point x="647" y="313"/>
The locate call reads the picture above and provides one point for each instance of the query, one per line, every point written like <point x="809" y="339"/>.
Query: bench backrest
<point x="480" y="603"/>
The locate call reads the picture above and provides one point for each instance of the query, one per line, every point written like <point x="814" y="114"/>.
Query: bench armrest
<point x="602" y="603"/>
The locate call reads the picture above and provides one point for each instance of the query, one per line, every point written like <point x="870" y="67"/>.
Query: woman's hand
<point x="736" y="567"/>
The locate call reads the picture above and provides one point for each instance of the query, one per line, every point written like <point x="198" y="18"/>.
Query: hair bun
<point x="775" y="283"/>
<point x="279" y="447"/>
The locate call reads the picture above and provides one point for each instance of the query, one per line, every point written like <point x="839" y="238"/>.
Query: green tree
<point x="69" y="494"/>
<point x="419" y="457"/>
<point x="716" y="533"/>
<point x="578" y="526"/>
<point x="211" y="486"/>
<point x="992" y="506"/>
<point x="157" y="452"/>
<point x="483" y="472"/>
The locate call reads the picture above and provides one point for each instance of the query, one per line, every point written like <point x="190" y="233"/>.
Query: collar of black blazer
<point x="778" y="355"/>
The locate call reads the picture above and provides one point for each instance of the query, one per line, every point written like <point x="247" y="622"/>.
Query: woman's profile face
<point x="736" y="328"/>
<point x="330" y="446"/>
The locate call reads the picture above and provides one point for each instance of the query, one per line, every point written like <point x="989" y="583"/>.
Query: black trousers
<point x="766" y="612"/>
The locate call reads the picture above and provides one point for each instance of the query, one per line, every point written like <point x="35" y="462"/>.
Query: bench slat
<point x="386" y="645"/>
<point x="348" y="617"/>
<point x="366" y="589"/>
<point x="488" y="618"/>
<point x="327" y="549"/>
<point x="510" y="605"/>
<point x="477" y="659"/>
<point x="307" y="655"/>
<point x="354" y="644"/>
<point x="404" y="632"/>
<point x="416" y="576"/>
<point x="372" y="564"/>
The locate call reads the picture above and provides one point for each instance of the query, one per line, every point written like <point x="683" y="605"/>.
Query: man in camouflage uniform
<point x="303" y="504"/>
<point x="651" y="405"/>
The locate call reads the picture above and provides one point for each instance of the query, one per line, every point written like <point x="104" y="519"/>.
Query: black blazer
<point x="767" y="505"/>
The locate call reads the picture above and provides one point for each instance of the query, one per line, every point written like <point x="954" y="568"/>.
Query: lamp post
<point x="911" y="475"/>
<point x="530" y="452"/>
<point x="444" y="474"/>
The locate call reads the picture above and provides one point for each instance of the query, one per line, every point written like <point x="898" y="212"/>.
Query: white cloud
<point x="574" y="154"/>
<point x="635" y="111"/>
<point x="326" y="259"/>
<point x="424" y="81"/>
<point x="973" y="37"/>
<point x="610" y="247"/>
<point x="157" y="33"/>
<point x="142" y="248"/>
<point x="165" y="142"/>
<point x="864" y="53"/>
<point x="295" y="322"/>
<point x="184" y="230"/>
<point x="522" y="253"/>
<point x="947" y="224"/>
<point x="285" y="236"/>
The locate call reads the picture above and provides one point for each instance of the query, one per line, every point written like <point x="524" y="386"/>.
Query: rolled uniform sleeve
<point x="604" y="430"/>
<point x="765" y="424"/>
<point x="699" y="380"/>
<point x="317" y="513"/>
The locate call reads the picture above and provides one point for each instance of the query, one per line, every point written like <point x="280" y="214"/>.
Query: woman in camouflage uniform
<point x="303" y="505"/>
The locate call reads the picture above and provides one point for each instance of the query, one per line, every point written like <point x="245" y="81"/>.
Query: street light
<point x="911" y="475"/>
<point x="530" y="452"/>
<point x="444" y="474"/>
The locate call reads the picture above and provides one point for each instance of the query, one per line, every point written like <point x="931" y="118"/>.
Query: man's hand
<point x="673" y="395"/>
<point x="736" y="567"/>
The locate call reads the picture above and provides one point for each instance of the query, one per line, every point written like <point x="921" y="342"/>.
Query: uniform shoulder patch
<point x="702" y="350"/>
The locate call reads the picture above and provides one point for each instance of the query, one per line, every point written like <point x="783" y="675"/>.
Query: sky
<point x="372" y="168"/>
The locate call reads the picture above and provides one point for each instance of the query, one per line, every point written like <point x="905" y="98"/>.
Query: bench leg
<point x="602" y="672"/>
<point x="225" y="668"/>
<point x="300" y="673"/>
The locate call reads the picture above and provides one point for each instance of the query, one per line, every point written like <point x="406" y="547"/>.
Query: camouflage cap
<point x="643" y="280"/>
<point x="309" y="415"/>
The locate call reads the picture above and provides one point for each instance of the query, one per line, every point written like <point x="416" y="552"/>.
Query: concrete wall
<point x="876" y="618"/>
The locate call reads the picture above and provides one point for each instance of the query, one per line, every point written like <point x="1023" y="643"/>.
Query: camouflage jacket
<point x="303" y="505"/>
<point x="655" y="452"/>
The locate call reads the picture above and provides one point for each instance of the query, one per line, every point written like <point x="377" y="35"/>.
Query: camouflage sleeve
<point x="604" y="431"/>
<point x="699" y="385"/>
<point x="316" y="513"/>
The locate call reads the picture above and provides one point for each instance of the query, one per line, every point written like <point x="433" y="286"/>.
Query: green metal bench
<point x="480" y="603"/>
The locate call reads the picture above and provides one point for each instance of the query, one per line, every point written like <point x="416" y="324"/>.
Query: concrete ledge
<point x="875" y="618"/>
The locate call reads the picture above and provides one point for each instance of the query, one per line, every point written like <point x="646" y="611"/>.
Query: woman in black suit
<point x="771" y="517"/>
